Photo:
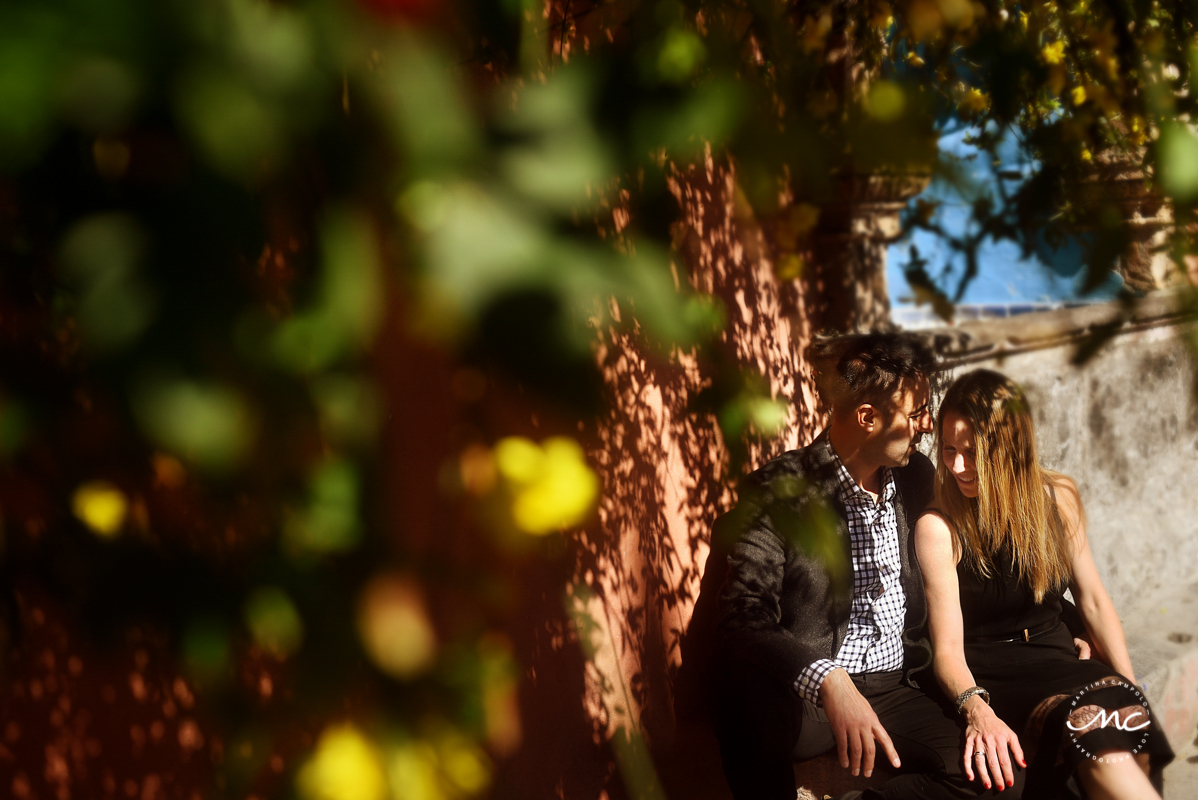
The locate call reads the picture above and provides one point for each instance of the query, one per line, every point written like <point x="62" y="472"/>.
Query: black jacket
<point x="780" y="608"/>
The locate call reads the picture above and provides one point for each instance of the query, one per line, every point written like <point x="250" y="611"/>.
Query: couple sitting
<point x="958" y="567"/>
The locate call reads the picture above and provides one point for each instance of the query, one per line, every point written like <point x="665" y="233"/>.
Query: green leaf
<point x="426" y="107"/>
<point x="206" y="649"/>
<point x="274" y="622"/>
<point x="558" y="158"/>
<point x="348" y="309"/>
<point x="1177" y="161"/>
<point x="101" y="257"/>
<point x="479" y="247"/>
<point x="205" y="423"/>
<point x="100" y="94"/>
<point x="329" y="523"/>
<point x="681" y="54"/>
<point x="709" y="113"/>
<point x="350" y="409"/>
<point x="273" y="42"/>
<point x="27" y="67"/>
<point x="239" y="132"/>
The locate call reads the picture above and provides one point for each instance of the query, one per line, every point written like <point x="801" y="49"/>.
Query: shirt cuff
<point x="812" y="678"/>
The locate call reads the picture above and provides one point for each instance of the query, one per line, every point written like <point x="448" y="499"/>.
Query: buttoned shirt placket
<point x="873" y="640"/>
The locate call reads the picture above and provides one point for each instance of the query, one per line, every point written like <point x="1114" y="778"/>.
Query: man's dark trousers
<point x="764" y="728"/>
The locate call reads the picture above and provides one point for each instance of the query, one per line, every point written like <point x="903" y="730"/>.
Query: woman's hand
<point x="987" y="734"/>
<point x="1083" y="649"/>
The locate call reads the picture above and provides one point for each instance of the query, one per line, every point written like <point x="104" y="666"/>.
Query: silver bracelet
<point x="970" y="692"/>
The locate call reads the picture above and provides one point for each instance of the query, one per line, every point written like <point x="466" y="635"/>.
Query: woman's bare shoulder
<point x="934" y="542"/>
<point x="934" y="526"/>
<point x="1065" y="494"/>
<point x="935" y="518"/>
<point x="1061" y="482"/>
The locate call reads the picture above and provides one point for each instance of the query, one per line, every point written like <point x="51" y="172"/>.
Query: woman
<point x="1004" y="541"/>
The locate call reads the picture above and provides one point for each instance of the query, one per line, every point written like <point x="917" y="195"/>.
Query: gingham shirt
<point x="873" y="642"/>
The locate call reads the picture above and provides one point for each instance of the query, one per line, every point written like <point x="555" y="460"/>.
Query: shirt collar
<point x="850" y="492"/>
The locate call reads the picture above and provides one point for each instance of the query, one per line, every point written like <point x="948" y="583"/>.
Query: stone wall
<point x="1124" y="425"/>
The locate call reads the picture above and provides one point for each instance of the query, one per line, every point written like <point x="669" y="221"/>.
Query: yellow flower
<point x="1079" y="95"/>
<point x="413" y="772"/>
<point x="975" y="101"/>
<point x="552" y="484"/>
<point x="100" y="506"/>
<point x="1053" y="53"/>
<point x="465" y="765"/>
<point x="450" y="767"/>
<point x="345" y="766"/>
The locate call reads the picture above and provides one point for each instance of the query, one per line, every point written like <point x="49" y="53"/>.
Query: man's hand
<point x="854" y="724"/>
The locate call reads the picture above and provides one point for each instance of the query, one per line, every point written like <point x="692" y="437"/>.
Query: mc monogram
<point x="1131" y="716"/>
<point x="1105" y="718"/>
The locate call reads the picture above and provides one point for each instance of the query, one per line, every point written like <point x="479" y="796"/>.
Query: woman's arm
<point x="934" y="547"/>
<point x="985" y="732"/>
<point x="1091" y="597"/>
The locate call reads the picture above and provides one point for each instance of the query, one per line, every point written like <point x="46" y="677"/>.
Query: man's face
<point x="898" y="429"/>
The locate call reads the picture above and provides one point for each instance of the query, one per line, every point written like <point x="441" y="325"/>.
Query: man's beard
<point x="912" y="448"/>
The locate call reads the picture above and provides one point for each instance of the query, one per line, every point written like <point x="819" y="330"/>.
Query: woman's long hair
<point x="1013" y="506"/>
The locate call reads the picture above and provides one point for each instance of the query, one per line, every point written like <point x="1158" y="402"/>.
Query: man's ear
<point x="866" y="416"/>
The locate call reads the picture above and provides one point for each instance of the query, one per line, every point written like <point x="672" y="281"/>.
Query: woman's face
<point x="958" y="452"/>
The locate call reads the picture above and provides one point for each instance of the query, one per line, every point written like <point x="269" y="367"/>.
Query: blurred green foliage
<point x="206" y="424"/>
<point x="273" y="621"/>
<point x="212" y="213"/>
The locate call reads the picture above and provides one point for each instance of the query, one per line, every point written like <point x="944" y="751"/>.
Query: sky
<point x="1003" y="275"/>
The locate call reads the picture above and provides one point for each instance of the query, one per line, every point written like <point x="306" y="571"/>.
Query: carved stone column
<point x="848" y="273"/>
<point x="1119" y="180"/>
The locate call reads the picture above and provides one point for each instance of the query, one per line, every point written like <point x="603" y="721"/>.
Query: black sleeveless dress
<point x="1060" y="707"/>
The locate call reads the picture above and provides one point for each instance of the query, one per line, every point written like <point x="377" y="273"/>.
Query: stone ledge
<point x="1181" y="777"/>
<point x="995" y="338"/>
<point x="1164" y="653"/>
<point x="823" y="775"/>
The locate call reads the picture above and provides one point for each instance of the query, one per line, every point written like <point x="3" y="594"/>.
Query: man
<point x="811" y="663"/>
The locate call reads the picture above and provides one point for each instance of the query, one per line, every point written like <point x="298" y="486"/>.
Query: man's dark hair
<point x="867" y="367"/>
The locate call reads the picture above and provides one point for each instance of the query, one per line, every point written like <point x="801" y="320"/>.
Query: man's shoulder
<point x="805" y="462"/>
<point x="793" y="474"/>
